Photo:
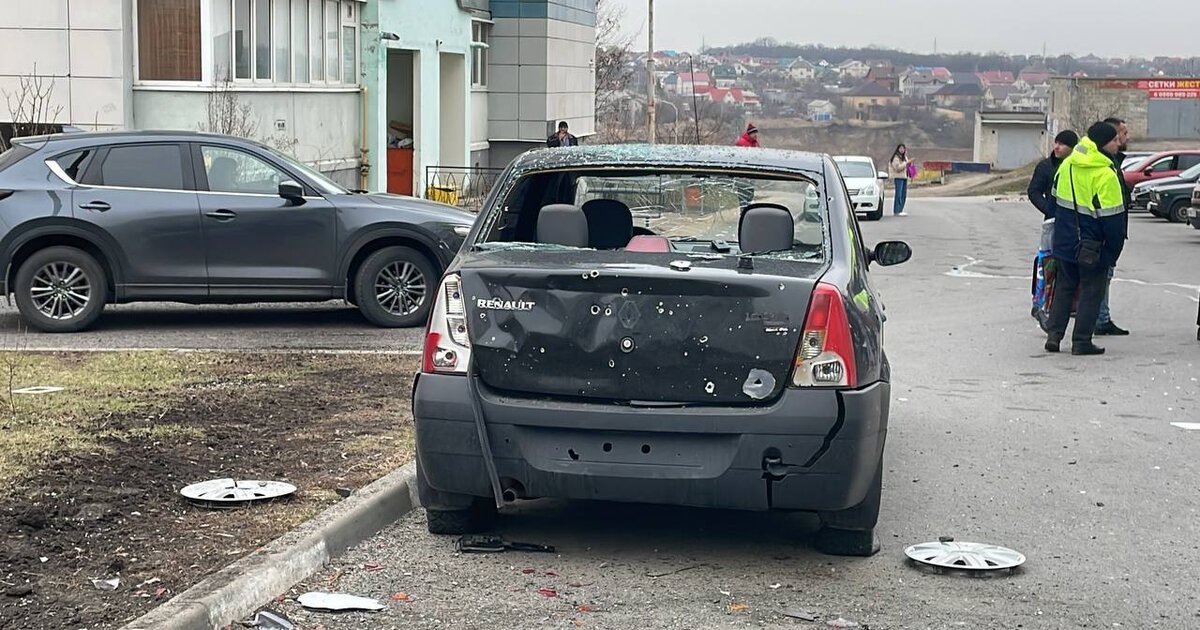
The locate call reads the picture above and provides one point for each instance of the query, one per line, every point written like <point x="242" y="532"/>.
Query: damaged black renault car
<point x="675" y="325"/>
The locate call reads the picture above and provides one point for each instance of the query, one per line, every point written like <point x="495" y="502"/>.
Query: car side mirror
<point x="882" y="175"/>
<point x="1148" y="171"/>
<point x="890" y="253"/>
<point x="292" y="191"/>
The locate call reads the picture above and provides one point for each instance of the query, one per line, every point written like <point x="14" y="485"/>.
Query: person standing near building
<point x="750" y="138"/>
<point x="563" y="137"/>
<point x="900" y="168"/>
<point x="1104" y="322"/>
<point x="1041" y="186"/>
<point x="1089" y="234"/>
<point x="1041" y="195"/>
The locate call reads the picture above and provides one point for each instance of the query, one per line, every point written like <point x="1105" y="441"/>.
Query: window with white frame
<point x="480" y="34"/>
<point x="297" y="42"/>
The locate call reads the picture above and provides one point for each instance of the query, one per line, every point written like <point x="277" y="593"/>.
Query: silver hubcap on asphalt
<point x="400" y="288"/>
<point x="60" y="290"/>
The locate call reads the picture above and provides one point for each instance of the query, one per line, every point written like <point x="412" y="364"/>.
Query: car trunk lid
<point x="656" y="329"/>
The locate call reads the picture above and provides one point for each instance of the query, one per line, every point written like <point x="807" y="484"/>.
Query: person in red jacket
<point x="750" y="138"/>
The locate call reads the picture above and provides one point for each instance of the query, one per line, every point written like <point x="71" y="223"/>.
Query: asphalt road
<point x="1070" y="460"/>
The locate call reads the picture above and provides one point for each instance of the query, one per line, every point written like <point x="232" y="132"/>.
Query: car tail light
<point x="447" y="344"/>
<point x="826" y="354"/>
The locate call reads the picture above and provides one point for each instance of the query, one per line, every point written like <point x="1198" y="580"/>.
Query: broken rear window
<point x="691" y="211"/>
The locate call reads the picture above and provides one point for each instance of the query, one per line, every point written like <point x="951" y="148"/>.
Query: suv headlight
<point x="869" y="189"/>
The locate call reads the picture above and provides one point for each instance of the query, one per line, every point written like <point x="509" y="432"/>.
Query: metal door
<point x="1174" y="119"/>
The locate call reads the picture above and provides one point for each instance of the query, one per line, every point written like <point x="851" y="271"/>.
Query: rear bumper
<point x="829" y="443"/>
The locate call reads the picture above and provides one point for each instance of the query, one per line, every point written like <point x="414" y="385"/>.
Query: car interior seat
<point x="766" y="227"/>
<point x="610" y="223"/>
<point x="221" y="175"/>
<point x="562" y="224"/>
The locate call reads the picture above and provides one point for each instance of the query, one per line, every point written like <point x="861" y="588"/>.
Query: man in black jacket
<point x="563" y="137"/>
<point x="1041" y="187"/>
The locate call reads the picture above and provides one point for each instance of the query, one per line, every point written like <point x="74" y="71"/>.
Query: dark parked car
<point x="726" y="353"/>
<point x="92" y="219"/>
<point x="1144" y="192"/>
<point x="1172" y="201"/>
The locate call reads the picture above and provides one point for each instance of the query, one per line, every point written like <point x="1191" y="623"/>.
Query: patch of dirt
<point x="341" y="422"/>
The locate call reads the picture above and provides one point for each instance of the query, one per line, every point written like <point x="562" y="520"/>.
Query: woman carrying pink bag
<point x="902" y="169"/>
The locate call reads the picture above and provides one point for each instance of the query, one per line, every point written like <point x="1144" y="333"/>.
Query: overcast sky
<point x="1163" y="27"/>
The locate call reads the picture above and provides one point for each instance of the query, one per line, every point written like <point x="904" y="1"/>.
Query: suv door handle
<point x="222" y="215"/>
<point x="98" y="206"/>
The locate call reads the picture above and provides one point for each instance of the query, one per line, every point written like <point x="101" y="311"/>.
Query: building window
<point x="264" y="41"/>
<point x="169" y="40"/>
<point x="480" y="36"/>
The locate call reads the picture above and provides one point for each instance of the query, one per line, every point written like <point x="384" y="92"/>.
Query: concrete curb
<point x="235" y="592"/>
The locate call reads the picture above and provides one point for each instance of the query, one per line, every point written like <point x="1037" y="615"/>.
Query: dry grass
<point x="97" y="387"/>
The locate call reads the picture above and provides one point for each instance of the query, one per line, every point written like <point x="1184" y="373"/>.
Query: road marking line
<point x="1187" y="426"/>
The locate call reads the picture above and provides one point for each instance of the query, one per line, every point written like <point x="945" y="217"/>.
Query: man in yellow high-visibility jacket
<point x="1089" y="234"/>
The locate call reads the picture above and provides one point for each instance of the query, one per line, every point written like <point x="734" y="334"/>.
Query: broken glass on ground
<point x="496" y="544"/>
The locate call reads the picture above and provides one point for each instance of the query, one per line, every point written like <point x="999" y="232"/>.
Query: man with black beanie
<point x="1089" y="235"/>
<point x="1041" y="187"/>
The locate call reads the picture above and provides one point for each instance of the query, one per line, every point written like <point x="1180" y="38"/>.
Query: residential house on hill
<point x="735" y="97"/>
<point x="1035" y="75"/>
<point x="821" y="110"/>
<point x="725" y="76"/>
<point x="996" y="76"/>
<point x="853" y="69"/>
<point x="801" y="70"/>
<point x="959" y="95"/>
<point x="921" y="83"/>
<point x="884" y="76"/>
<point x="871" y="101"/>
<point x="685" y="80"/>
<point x="997" y="96"/>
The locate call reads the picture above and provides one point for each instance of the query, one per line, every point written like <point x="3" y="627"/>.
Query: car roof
<point x="89" y="138"/>
<point x="667" y="156"/>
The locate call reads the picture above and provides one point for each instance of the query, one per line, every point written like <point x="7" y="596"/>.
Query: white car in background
<point x="864" y="182"/>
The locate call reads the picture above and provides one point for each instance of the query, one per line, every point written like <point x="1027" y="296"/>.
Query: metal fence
<point x="463" y="186"/>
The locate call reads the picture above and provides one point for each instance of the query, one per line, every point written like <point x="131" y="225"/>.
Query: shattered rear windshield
<point x="695" y="211"/>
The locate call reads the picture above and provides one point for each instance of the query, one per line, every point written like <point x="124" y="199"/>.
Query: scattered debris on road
<point x="402" y="597"/>
<point x="107" y="585"/>
<point x="736" y="608"/>
<point x="270" y="620"/>
<point x="841" y="623"/>
<point x="548" y="592"/>
<point x="674" y="572"/>
<point x="344" y="492"/>
<point x="231" y="493"/>
<point x="496" y="544"/>
<point x="337" y="602"/>
<point x="802" y="615"/>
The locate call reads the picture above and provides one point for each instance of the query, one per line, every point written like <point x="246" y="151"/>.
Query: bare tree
<point x="614" y="72"/>
<point x="227" y="114"/>
<point x="31" y="108"/>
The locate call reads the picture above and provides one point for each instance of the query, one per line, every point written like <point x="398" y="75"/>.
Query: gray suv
<point x="90" y="219"/>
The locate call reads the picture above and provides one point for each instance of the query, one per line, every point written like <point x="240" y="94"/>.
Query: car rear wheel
<point x="1178" y="213"/>
<point x="394" y="287"/>
<point x="454" y="514"/>
<point x="851" y="532"/>
<point x="61" y="289"/>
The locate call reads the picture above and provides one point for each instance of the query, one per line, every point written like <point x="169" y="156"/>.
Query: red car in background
<point x="1160" y="165"/>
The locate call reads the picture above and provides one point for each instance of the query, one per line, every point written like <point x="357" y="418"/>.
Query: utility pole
<point x="651" y="121"/>
<point x="696" y="99"/>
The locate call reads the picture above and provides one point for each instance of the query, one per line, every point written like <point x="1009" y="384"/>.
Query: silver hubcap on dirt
<point x="400" y="288"/>
<point x="60" y="290"/>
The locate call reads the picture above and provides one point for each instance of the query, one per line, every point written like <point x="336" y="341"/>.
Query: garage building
<point x="1008" y="140"/>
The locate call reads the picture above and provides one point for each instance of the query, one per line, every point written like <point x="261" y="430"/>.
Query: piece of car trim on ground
<point x="237" y="591"/>
<point x="965" y="556"/>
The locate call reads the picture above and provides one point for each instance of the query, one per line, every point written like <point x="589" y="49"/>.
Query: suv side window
<point x="232" y="171"/>
<point x="1163" y="165"/>
<point x="1188" y="161"/>
<point x="76" y="164"/>
<point x="158" y="166"/>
